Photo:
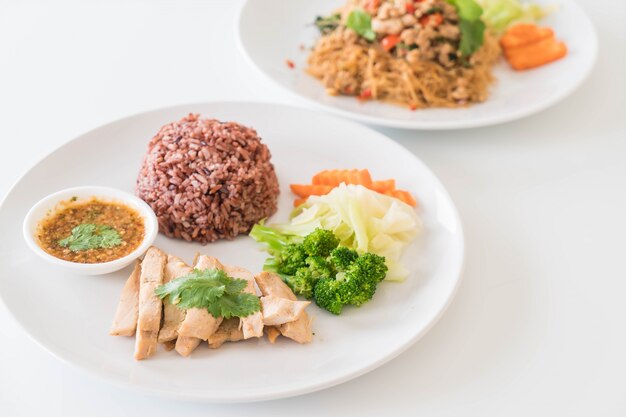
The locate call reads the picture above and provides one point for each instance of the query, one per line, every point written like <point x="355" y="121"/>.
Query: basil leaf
<point x="361" y="22"/>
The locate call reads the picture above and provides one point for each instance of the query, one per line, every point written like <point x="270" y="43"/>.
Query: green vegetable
<point x="361" y="219"/>
<point x="499" y="14"/>
<point x="356" y="286"/>
<point x="333" y="276"/>
<point x="327" y="24"/>
<point x="320" y="243"/>
<point x="361" y="22"/>
<point x="212" y="289"/>
<point x="91" y="236"/>
<point x="343" y="257"/>
<point x="471" y="27"/>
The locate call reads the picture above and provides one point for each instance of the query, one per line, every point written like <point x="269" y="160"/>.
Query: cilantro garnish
<point x="212" y="289"/>
<point x="91" y="236"/>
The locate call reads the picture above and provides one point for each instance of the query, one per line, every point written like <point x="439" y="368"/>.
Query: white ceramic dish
<point x="272" y="31"/>
<point x="47" y="205"/>
<point x="69" y="315"/>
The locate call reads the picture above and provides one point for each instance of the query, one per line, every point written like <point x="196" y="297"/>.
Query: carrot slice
<point x="524" y="34"/>
<point x="305" y="190"/>
<point x="384" y="185"/>
<point x="536" y="54"/>
<point x="335" y="177"/>
<point x="299" y="201"/>
<point x="403" y="196"/>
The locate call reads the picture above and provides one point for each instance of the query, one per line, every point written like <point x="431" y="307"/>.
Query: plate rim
<point x="425" y="125"/>
<point x="57" y="352"/>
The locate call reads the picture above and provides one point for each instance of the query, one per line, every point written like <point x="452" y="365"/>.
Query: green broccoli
<point x="320" y="243"/>
<point x="369" y="265"/>
<point x="355" y="286"/>
<point x="342" y="257"/>
<point x="320" y="267"/>
<point x="328" y="295"/>
<point x="290" y="259"/>
<point x="302" y="282"/>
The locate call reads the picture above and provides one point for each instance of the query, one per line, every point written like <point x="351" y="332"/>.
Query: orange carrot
<point x="383" y="185"/>
<point x="305" y="190"/>
<point x="403" y="196"/>
<point x="337" y="176"/>
<point x="299" y="201"/>
<point x="535" y="54"/>
<point x="524" y="34"/>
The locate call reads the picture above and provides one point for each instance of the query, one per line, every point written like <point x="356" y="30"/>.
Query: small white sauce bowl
<point x="46" y="206"/>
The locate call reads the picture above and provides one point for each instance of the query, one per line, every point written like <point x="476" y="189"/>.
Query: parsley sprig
<point x="212" y="289"/>
<point x="91" y="236"/>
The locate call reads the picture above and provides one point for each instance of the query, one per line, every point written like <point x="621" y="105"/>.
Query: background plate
<point x="69" y="315"/>
<point x="272" y="31"/>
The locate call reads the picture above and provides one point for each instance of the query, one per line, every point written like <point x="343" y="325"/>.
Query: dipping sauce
<point x="92" y="231"/>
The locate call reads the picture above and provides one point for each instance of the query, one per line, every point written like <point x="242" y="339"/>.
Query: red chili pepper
<point x="290" y="64"/>
<point x="389" y="42"/>
<point x="436" y="19"/>
<point x="365" y="94"/>
<point x="410" y="8"/>
<point x="372" y="5"/>
<point x="413" y="107"/>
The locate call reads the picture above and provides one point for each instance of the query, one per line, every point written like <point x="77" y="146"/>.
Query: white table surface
<point x="539" y="324"/>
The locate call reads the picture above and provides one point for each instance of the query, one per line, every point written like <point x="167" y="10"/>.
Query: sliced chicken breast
<point x="272" y="333"/>
<point x="229" y="331"/>
<point x="252" y="325"/>
<point x="150" y="305"/>
<point x="298" y="330"/>
<point x="278" y="311"/>
<point x="125" y="320"/>
<point x="271" y="284"/>
<point x="199" y="322"/>
<point x="185" y="345"/>
<point x="169" y="345"/>
<point x="172" y="315"/>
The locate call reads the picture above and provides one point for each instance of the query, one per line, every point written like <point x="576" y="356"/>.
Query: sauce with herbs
<point x="72" y="218"/>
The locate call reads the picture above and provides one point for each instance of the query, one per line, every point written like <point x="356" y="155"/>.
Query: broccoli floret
<point x="342" y="257"/>
<point x="302" y="282"/>
<point x="370" y="267"/>
<point x="320" y="243"/>
<point x="320" y="267"/>
<point x="356" y="286"/>
<point x="328" y="295"/>
<point x="290" y="259"/>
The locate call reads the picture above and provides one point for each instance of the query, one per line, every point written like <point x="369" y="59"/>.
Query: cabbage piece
<point x="361" y="219"/>
<point x="499" y="14"/>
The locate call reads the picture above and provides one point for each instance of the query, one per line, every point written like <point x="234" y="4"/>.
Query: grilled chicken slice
<point x="252" y="325"/>
<point x="229" y="331"/>
<point x="299" y="330"/>
<point x="272" y="333"/>
<point x="169" y="345"/>
<point x="278" y="311"/>
<point x="198" y="321"/>
<point x="125" y="320"/>
<point x="271" y="285"/>
<point x="172" y="315"/>
<point x="150" y="305"/>
<point x="185" y="345"/>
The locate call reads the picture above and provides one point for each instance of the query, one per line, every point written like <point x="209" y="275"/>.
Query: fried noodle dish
<point x="419" y="54"/>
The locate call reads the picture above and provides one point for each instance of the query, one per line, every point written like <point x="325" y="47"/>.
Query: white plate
<point x="69" y="315"/>
<point x="272" y="31"/>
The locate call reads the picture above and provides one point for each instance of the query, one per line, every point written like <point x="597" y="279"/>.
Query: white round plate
<point x="273" y="31"/>
<point x="70" y="314"/>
